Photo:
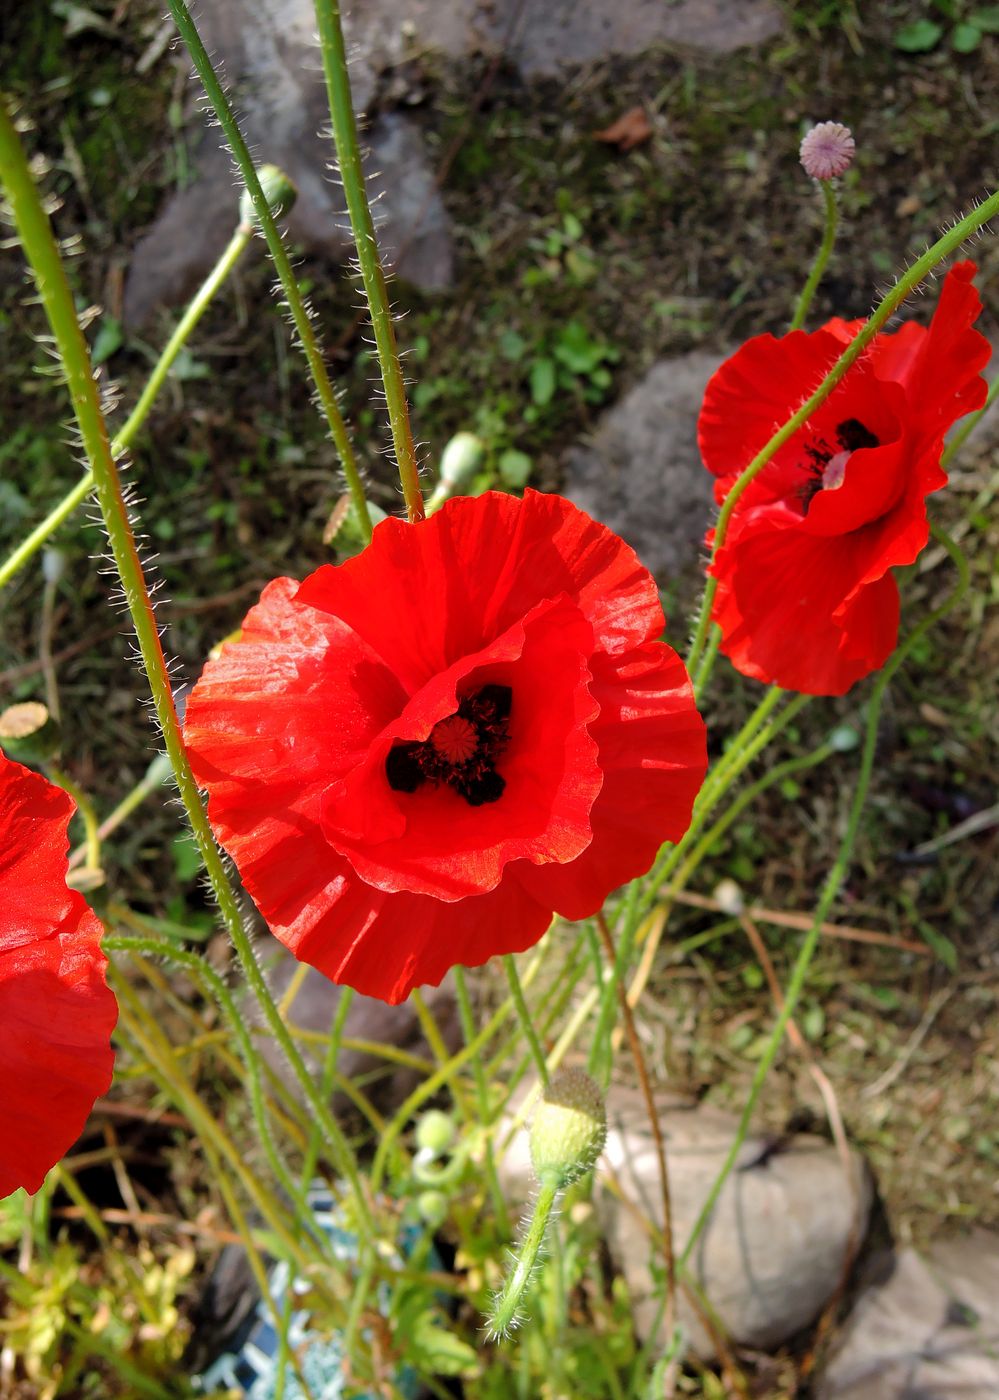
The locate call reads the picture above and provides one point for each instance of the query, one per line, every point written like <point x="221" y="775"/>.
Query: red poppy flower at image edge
<point x="806" y="599"/>
<point x="418" y="755"/>
<point x="56" y="1011"/>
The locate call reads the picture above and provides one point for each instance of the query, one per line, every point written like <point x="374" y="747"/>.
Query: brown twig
<point x="789" y="919"/>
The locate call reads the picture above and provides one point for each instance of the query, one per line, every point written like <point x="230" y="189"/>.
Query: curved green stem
<point x="505" y="1313"/>
<point x="821" y="257"/>
<point x="137" y="417"/>
<point x="886" y="308"/>
<point x="349" y="159"/>
<point x="86" y="809"/>
<point x="211" y="982"/>
<point x="830" y="888"/>
<point x="282" y="263"/>
<point x="57" y="299"/>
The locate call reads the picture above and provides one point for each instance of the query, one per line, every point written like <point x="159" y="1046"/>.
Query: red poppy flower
<point x="806" y="599"/>
<point x="415" y="757"/>
<point x="56" y="1010"/>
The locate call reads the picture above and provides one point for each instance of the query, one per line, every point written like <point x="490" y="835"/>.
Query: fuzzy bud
<point x="827" y="150"/>
<point x="278" y="190"/>
<point x="28" y="733"/>
<point x="460" y="460"/>
<point x="569" y="1128"/>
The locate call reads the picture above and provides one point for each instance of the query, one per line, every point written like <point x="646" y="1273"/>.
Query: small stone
<point x="930" y="1329"/>
<point x="641" y="471"/>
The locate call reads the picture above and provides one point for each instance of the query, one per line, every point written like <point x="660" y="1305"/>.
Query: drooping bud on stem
<point x="567" y="1135"/>
<point x="279" y="191"/>
<point x="569" y="1127"/>
<point x="827" y="150"/>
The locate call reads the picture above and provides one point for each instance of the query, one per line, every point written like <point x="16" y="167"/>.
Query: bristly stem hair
<point x="349" y="159"/>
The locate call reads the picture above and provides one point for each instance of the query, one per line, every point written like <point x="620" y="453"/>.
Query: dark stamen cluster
<point x="851" y="435"/>
<point x="409" y="765"/>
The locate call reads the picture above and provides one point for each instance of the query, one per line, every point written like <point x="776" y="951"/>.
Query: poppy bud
<point x="827" y="150"/>
<point x="28" y="733"/>
<point x="278" y="190"/>
<point x="434" y="1133"/>
<point x="460" y="460"/>
<point x="432" y="1206"/>
<point x="569" y="1128"/>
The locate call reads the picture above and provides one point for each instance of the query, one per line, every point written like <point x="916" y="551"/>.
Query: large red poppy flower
<point x="806" y="599"/>
<point x="56" y="1012"/>
<point x="415" y="757"/>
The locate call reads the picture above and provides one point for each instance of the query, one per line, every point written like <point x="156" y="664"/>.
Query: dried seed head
<point x="827" y="150"/>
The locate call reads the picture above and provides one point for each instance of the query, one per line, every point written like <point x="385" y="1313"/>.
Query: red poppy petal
<point x="940" y="367"/>
<point x="239" y="725"/>
<point x="755" y="391"/>
<point x="432" y="841"/>
<point x="777" y="609"/>
<point x="34" y="817"/>
<point x="487" y="561"/>
<point x="412" y="940"/>
<point x="653" y="752"/>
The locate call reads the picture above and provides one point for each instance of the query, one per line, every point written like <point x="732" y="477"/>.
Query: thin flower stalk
<point x="467" y="1019"/>
<point x="297" y="308"/>
<point x="124" y="438"/>
<point x="348" y="153"/>
<point x="830" y="889"/>
<point x="525" y="1018"/>
<point x="821" y="258"/>
<point x="40" y="248"/>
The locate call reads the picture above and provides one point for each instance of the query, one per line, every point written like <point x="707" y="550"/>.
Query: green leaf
<point x="920" y="37"/>
<point x="515" y="468"/>
<point x="986" y="20"/>
<point x="965" y="38"/>
<point x="108" y="339"/>
<point x="542" y="382"/>
<point x="186" y="860"/>
<point x="940" y="945"/>
<point x="435" y="1349"/>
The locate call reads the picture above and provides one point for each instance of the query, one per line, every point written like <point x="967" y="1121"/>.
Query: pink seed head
<point x="827" y="150"/>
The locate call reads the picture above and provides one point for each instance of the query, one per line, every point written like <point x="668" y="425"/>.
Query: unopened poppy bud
<point x="827" y="150"/>
<point x="434" y="1133"/>
<point x="460" y="460"/>
<point x="28" y="733"/>
<point x="569" y="1128"/>
<point x="278" y="190"/>
<point x="432" y="1206"/>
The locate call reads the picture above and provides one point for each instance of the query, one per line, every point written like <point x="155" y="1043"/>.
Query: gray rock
<point x="540" y="36"/>
<point x="641" y="471"/>
<point x="929" y="1332"/>
<point x="272" y="65"/>
<point x="773" y="1252"/>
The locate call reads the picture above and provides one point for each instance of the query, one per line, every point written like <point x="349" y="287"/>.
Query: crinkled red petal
<point x="432" y="841"/>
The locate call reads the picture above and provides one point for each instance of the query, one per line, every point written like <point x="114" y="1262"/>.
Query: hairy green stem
<point x="282" y="263"/>
<point x="57" y="299"/>
<point x="348" y="153"/>
<point x="830" y="889"/>
<point x="137" y="417"/>
<point x="886" y="308"/>
<point x="821" y="257"/>
<point x="504" y="1315"/>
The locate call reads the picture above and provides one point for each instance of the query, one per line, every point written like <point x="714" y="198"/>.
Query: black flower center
<point x="462" y="750"/>
<point x="825" y="464"/>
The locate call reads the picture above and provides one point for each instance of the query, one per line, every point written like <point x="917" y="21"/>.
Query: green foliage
<point x="967" y="28"/>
